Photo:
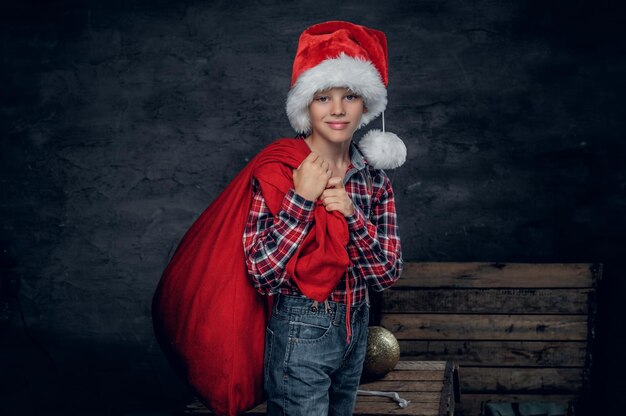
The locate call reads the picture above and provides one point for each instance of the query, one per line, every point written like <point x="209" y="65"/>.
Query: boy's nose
<point x="337" y="107"/>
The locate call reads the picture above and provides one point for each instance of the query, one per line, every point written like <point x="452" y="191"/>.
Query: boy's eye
<point x="351" y="97"/>
<point x="322" y="98"/>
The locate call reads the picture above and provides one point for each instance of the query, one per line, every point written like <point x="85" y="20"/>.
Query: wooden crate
<point x="518" y="331"/>
<point x="431" y="387"/>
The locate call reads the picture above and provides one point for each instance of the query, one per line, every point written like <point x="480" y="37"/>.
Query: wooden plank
<point x="497" y="275"/>
<point x="518" y="380"/>
<point x="259" y="410"/>
<point x="415" y="409"/>
<point x="511" y="301"/>
<point x="413" y="397"/>
<point x="197" y="408"/>
<point x="487" y="327"/>
<point x="498" y="353"/>
<point x="451" y="392"/>
<point x="402" y="385"/>
<point x="413" y="375"/>
<point x="420" y="365"/>
<point x="471" y="404"/>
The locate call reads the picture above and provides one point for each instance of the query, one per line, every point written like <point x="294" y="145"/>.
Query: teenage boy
<point x="317" y="216"/>
<point x="319" y="245"/>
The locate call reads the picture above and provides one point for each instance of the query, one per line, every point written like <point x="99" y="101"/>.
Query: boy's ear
<point x="365" y="110"/>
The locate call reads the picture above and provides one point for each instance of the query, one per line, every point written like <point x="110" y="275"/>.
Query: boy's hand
<point x="335" y="198"/>
<point x="311" y="177"/>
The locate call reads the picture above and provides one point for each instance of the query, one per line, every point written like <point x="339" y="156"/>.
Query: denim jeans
<point x="310" y="367"/>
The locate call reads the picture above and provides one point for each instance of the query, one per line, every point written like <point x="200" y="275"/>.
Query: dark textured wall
<point x="121" y="121"/>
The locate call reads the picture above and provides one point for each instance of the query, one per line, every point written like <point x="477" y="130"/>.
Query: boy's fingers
<point x="311" y="157"/>
<point x="334" y="181"/>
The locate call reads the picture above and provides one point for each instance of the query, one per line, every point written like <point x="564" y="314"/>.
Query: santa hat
<point x="342" y="54"/>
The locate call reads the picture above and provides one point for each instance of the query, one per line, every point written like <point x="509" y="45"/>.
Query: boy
<point x="331" y="233"/>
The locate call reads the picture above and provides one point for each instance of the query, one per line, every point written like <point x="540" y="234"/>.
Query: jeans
<point x="310" y="367"/>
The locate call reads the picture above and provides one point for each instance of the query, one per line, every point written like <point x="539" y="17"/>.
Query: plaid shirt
<point x="374" y="246"/>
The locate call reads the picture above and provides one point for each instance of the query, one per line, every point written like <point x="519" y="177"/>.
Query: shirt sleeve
<point x="269" y="242"/>
<point x="377" y="239"/>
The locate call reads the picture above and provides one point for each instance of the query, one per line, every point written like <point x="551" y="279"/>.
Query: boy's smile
<point x="338" y="125"/>
<point x="335" y="114"/>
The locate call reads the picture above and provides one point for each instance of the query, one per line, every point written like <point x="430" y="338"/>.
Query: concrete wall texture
<point x="122" y="121"/>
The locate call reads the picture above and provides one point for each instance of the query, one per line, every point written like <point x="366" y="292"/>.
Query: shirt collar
<point x="356" y="157"/>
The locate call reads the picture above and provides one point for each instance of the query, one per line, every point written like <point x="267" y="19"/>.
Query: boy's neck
<point x="335" y="153"/>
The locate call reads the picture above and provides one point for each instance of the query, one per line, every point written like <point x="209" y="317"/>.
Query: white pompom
<point x="383" y="150"/>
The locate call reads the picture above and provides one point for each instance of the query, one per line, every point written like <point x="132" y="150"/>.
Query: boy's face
<point x="336" y="114"/>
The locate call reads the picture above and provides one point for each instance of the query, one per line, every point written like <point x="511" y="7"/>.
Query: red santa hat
<point x="342" y="54"/>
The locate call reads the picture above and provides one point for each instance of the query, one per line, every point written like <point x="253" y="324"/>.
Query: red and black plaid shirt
<point x="374" y="246"/>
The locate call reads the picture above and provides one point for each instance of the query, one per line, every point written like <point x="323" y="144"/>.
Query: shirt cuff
<point x="298" y="207"/>
<point x="356" y="222"/>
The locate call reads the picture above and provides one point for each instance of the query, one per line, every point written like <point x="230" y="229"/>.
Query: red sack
<point x="208" y="318"/>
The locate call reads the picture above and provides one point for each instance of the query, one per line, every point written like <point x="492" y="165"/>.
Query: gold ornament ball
<point x="383" y="352"/>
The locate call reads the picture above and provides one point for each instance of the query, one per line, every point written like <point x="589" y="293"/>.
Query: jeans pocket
<point x="309" y="327"/>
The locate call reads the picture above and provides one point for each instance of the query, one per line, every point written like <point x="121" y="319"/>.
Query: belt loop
<point x="326" y="307"/>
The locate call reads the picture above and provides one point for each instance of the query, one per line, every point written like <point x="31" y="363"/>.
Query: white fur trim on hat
<point x="356" y="74"/>
<point x="383" y="150"/>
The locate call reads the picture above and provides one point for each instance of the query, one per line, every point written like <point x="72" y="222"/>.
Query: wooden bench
<point x="519" y="332"/>
<point x="431" y="387"/>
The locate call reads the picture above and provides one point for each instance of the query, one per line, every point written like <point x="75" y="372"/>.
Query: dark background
<point x="121" y="121"/>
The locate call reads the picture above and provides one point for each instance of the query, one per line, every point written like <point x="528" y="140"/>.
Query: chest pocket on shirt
<point x="363" y="200"/>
